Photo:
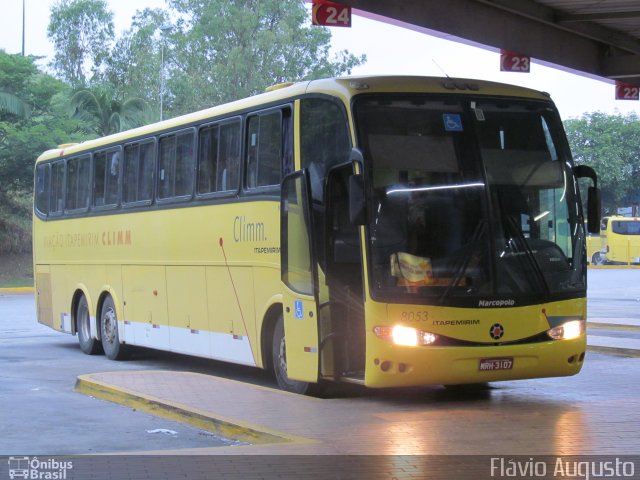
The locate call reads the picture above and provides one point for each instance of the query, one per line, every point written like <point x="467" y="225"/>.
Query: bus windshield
<point x="471" y="200"/>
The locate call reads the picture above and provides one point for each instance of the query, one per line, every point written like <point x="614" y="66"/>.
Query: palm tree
<point x="14" y="105"/>
<point x="100" y="113"/>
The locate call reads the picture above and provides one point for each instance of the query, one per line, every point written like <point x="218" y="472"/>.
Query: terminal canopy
<point x="594" y="38"/>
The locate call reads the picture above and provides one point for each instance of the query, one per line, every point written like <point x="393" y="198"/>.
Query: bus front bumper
<point x="396" y="366"/>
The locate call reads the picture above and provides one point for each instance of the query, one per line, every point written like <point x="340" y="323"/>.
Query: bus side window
<point x="287" y="144"/>
<point x="57" y="187"/>
<point x="219" y="157"/>
<point x="228" y="171"/>
<point x="324" y="140"/>
<point x="138" y="172"/>
<point x="106" y="174"/>
<point x="252" y="152"/>
<point x="166" y="166"/>
<point x="111" y="178"/>
<point x="146" y="171"/>
<point x="176" y="166"/>
<point x="131" y="171"/>
<point x="98" y="178"/>
<point x="78" y="180"/>
<point x="185" y="163"/>
<point x="43" y="180"/>
<point x="266" y="142"/>
<point x="207" y="159"/>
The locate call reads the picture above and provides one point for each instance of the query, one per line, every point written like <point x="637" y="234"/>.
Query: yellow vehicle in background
<point x="596" y="243"/>
<point x="621" y="241"/>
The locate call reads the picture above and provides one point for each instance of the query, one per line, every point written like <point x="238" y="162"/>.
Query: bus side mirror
<point x="593" y="197"/>
<point x="357" y="200"/>
<point x="593" y="210"/>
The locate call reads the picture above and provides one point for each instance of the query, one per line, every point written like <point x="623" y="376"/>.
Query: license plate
<point x="493" y="364"/>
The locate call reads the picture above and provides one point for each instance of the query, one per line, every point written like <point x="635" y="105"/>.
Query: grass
<point x="16" y="270"/>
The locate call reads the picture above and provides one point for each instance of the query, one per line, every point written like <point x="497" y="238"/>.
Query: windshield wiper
<point x="522" y="241"/>
<point x="471" y="247"/>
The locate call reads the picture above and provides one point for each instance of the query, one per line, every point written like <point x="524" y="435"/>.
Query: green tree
<point x="13" y="105"/>
<point x="611" y="145"/>
<point x="14" y="75"/>
<point x="23" y="139"/>
<point x="81" y="31"/>
<point x="214" y="51"/>
<point x="99" y="113"/>
<point x="222" y="50"/>
<point x="133" y="68"/>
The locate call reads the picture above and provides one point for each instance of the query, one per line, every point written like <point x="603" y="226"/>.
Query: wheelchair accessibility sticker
<point x="452" y="122"/>
<point x="299" y="309"/>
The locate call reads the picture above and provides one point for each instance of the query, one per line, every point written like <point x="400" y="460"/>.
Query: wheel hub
<point x="109" y="325"/>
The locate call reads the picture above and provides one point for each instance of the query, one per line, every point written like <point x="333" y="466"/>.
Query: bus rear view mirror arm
<point x="593" y="197"/>
<point x="357" y="197"/>
<point x="357" y="200"/>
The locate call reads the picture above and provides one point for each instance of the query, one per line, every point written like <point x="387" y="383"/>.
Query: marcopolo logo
<point x="507" y="302"/>
<point x="36" y="469"/>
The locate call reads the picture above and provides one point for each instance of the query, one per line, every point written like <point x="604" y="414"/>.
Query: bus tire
<point x="279" y="362"/>
<point x="468" y="387"/>
<point x="113" y="349"/>
<point x="597" y="259"/>
<point x="88" y="344"/>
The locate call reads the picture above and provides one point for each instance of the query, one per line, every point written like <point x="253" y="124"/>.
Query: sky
<point x="390" y="49"/>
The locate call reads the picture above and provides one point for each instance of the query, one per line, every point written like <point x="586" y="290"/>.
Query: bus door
<point x="342" y="326"/>
<point x="299" y="275"/>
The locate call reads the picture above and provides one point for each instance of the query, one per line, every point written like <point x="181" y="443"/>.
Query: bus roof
<point x="344" y="88"/>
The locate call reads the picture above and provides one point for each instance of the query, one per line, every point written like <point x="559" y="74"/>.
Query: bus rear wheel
<point x="113" y="349"/>
<point x="279" y="362"/>
<point x="89" y="345"/>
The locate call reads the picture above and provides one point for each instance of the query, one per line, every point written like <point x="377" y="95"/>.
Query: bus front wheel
<point x="597" y="259"/>
<point x="279" y="362"/>
<point x="113" y="349"/>
<point x="88" y="345"/>
<point x="468" y="387"/>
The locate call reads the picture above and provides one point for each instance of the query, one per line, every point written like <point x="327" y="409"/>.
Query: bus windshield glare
<point x="470" y="202"/>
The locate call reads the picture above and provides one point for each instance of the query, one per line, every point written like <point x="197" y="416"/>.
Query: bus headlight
<point x="405" y="336"/>
<point x="567" y="331"/>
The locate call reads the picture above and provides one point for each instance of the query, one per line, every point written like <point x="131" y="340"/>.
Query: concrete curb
<point x="612" y="326"/>
<point x="16" y="289"/>
<point x="229" y="428"/>
<point x="620" y="352"/>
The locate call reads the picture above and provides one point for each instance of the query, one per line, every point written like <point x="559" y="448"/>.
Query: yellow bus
<point x="596" y="243"/>
<point x="622" y="241"/>
<point x="397" y="231"/>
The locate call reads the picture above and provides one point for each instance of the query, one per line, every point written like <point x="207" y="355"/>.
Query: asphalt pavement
<point x="224" y="410"/>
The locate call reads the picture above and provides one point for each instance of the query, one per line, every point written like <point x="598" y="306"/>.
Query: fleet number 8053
<point x="420" y="316"/>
